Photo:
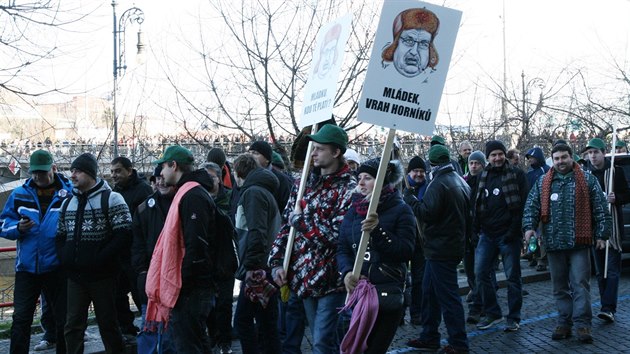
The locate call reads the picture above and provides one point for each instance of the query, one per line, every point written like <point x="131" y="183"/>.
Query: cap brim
<point x="44" y="168"/>
<point x="158" y="162"/>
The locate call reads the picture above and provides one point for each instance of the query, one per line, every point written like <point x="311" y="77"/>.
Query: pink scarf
<point x="365" y="301"/>
<point x="164" y="279"/>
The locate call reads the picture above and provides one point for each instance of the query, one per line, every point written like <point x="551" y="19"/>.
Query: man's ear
<point x="337" y="152"/>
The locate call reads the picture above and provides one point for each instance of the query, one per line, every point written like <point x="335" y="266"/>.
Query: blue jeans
<point x="609" y="286"/>
<point x="321" y="313"/>
<point x="188" y="321"/>
<point x="487" y="252"/>
<point x="168" y="347"/>
<point x="570" y="279"/>
<point x="28" y="287"/>
<point x="266" y="324"/>
<point x="440" y="298"/>
<point x="291" y="323"/>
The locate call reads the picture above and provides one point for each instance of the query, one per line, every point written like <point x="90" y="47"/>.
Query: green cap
<point x="176" y="153"/>
<point x="436" y="139"/>
<point x="438" y="154"/>
<point x="596" y="143"/>
<point x="276" y="160"/>
<point x="41" y="160"/>
<point x="620" y="144"/>
<point x="331" y="134"/>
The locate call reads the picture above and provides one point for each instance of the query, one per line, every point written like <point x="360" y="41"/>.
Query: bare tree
<point x="254" y="78"/>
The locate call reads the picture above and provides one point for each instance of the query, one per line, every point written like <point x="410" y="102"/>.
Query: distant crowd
<point x="314" y="252"/>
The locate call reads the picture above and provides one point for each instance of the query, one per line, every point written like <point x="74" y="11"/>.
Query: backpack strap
<point x="64" y="206"/>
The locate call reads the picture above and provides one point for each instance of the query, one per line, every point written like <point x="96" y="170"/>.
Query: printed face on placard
<point x="412" y="54"/>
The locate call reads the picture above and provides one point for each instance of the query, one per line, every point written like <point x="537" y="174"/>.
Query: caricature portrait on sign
<point x="412" y="50"/>
<point x="328" y="53"/>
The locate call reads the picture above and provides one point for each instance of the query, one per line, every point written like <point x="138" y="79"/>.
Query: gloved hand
<point x="410" y="196"/>
<point x="370" y="223"/>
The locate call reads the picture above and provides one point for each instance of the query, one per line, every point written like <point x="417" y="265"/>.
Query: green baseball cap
<point x="596" y="143"/>
<point x="620" y="144"/>
<point x="178" y="154"/>
<point x="331" y="134"/>
<point x="41" y="160"/>
<point x="436" y="139"/>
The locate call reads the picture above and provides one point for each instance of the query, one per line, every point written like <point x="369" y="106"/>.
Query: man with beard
<point x="501" y="193"/>
<point x="573" y="211"/>
<point x="313" y="274"/>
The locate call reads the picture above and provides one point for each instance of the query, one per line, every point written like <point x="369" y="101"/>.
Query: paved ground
<point x="533" y="337"/>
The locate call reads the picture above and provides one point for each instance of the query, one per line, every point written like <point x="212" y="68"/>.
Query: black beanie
<point x="263" y="148"/>
<point x="86" y="163"/>
<point x="217" y="156"/>
<point x="416" y="162"/>
<point x="494" y="145"/>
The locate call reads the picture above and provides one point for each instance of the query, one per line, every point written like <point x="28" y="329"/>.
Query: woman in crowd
<point x="391" y="244"/>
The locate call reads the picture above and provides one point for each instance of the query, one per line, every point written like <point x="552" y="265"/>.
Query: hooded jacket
<point x="135" y="191"/>
<point x="537" y="169"/>
<point x="257" y="220"/>
<point x="313" y="266"/>
<point x="88" y="243"/>
<point x="196" y="211"/>
<point x="36" y="251"/>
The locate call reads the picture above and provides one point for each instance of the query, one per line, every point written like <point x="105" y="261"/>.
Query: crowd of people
<point x="82" y="242"/>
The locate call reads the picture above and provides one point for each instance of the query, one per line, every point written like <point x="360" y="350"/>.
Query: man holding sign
<point x="313" y="274"/>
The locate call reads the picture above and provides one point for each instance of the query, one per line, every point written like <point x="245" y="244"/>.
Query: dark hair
<point x="125" y="162"/>
<point x="511" y="152"/>
<point x="562" y="147"/>
<point x="185" y="168"/>
<point x="244" y="164"/>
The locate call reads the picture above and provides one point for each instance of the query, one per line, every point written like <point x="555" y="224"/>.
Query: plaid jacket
<point x="313" y="266"/>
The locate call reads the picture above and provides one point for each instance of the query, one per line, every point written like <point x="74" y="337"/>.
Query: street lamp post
<point x="130" y="15"/>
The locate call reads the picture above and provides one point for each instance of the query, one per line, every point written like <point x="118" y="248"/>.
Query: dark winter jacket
<point x="36" y="251"/>
<point x="313" y="266"/>
<point x="257" y="221"/>
<point x="283" y="192"/>
<point x="197" y="214"/>
<point x="134" y="192"/>
<point x="88" y="243"/>
<point x="148" y="222"/>
<point x="499" y="220"/>
<point x="391" y="243"/>
<point x="537" y="169"/>
<point x="446" y="213"/>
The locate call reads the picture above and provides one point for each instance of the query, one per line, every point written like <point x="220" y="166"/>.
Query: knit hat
<point x="596" y="143"/>
<point x="331" y="134"/>
<point x="436" y="139"/>
<point x="352" y="155"/>
<point x="217" y="156"/>
<point x="438" y="154"/>
<point x="176" y="153"/>
<point x="416" y="162"/>
<point x="494" y="145"/>
<point x="41" y="160"/>
<point x="478" y="156"/>
<point x="263" y="148"/>
<point x="87" y="163"/>
<point x="418" y="18"/>
<point x="394" y="170"/>
<point x="276" y="160"/>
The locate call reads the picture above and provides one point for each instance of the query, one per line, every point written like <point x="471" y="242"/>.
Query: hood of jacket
<point x="262" y="178"/>
<point x="200" y="176"/>
<point x="538" y="154"/>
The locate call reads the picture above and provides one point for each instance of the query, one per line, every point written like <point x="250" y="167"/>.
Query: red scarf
<point x="583" y="222"/>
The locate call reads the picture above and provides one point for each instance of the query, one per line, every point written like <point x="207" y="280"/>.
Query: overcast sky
<point x="542" y="38"/>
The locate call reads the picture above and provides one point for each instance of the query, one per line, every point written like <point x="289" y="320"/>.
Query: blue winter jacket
<point x="537" y="169"/>
<point x="36" y="251"/>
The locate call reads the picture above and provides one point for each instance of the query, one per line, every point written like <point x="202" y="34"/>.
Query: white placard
<point x="407" y="70"/>
<point x="321" y="87"/>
